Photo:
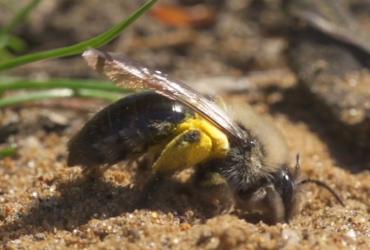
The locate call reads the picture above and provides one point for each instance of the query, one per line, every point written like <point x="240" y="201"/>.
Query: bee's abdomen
<point x="124" y="128"/>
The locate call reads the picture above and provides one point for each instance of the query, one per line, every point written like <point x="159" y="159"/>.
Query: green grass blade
<point x="21" y="16"/>
<point x="37" y="96"/>
<point x="78" y="48"/>
<point x="17" y="44"/>
<point x="5" y="55"/>
<point x="93" y="93"/>
<point x="58" y="93"/>
<point x="8" y="152"/>
<point x="9" y="40"/>
<point x="10" y="83"/>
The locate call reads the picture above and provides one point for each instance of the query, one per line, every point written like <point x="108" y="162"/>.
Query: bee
<point x="180" y="129"/>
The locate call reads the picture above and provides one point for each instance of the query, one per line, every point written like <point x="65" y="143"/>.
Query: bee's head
<point x="274" y="199"/>
<point x="285" y="186"/>
<point x="262" y="190"/>
<point x="277" y="198"/>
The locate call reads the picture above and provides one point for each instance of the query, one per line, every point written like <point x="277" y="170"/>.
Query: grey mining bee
<point x="181" y="129"/>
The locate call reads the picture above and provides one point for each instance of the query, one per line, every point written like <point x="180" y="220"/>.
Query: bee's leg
<point x="146" y="161"/>
<point x="213" y="191"/>
<point x="146" y="196"/>
<point x="187" y="149"/>
<point x="95" y="172"/>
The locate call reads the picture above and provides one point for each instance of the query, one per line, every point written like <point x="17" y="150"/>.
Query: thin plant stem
<point x="7" y="152"/>
<point x="20" y="16"/>
<point x="57" y="93"/>
<point x="7" y="84"/>
<point x="78" y="48"/>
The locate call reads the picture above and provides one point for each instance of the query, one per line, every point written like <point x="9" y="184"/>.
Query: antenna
<point x="297" y="170"/>
<point x="323" y="185"/>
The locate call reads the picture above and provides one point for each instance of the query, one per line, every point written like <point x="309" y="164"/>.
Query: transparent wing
<point x="130" y="74"/>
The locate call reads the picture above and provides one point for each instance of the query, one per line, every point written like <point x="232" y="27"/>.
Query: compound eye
<point x="284" y="183"/>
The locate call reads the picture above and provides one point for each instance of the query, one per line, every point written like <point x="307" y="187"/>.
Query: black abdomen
<point x="124" y="128"/>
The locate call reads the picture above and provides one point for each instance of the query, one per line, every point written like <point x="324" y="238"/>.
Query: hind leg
<point x="93" y="173"/>
<point x="212" y="191"/>
<point x="147" y="193"/>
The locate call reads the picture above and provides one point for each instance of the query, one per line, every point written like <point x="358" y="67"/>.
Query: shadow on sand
<point x="86" y="198"/>
<point x="300" y="106"/>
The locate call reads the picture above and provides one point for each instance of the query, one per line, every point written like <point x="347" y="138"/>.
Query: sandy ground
<point x="46" y="205"/>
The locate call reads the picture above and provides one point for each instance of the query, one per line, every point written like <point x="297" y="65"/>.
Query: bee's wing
<point x="130" y="74"/>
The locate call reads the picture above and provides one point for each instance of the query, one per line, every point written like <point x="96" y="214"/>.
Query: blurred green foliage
<point x="76" y="87"/>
